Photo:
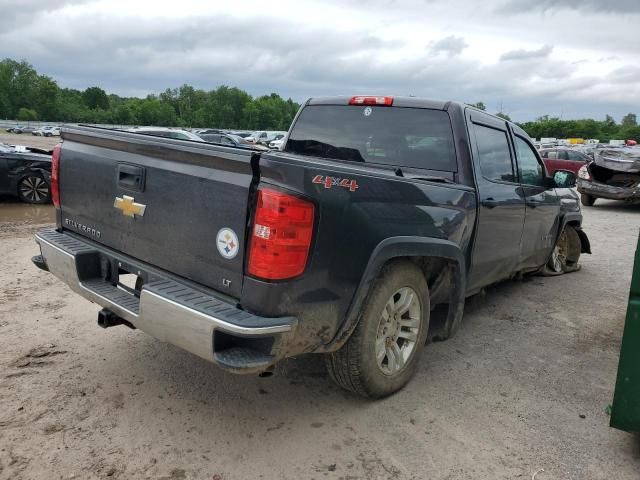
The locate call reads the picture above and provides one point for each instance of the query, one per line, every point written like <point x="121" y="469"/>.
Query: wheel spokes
<point x="404" y="302"/>
<point x="396" y="354"/>
<point x="408" y="335"/>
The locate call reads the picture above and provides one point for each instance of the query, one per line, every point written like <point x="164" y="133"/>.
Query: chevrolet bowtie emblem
<point x="129" y="207"/>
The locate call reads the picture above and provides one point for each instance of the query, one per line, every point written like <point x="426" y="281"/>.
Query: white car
<point x="47" y="131"/>
<point x="176" y="133"/>
<point x="277" y="143"/>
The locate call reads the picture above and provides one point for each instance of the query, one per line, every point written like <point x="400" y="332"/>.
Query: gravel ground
<point x="28" y="140"/>
<point x="522" y="387"/>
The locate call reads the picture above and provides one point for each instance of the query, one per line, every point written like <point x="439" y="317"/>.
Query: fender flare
<point x="407" y="246"/>
<point x="576" y="218"/>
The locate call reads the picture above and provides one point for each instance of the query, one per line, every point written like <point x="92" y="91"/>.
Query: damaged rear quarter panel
<point x="350" y="224"/>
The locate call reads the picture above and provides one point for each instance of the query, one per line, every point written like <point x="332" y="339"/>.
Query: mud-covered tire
<point x="566" y="253"/>
<point x="356" y="367"/>
<point x="587" y="200"/>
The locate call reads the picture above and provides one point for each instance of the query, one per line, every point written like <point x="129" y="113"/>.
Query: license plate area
<point x="130" y="282"/>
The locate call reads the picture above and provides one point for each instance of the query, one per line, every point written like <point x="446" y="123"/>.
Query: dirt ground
<point x="523" y="387"/>
<point x="28" y="140"/>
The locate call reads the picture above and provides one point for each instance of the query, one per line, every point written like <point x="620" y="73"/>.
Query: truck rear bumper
<point x="167" y="308"/>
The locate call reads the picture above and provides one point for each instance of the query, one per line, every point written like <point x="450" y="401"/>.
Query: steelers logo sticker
<point x="368" y="111"/>
<point x="227" y="243"/>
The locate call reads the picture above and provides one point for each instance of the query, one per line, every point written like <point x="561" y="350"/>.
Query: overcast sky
<point x="568" y="58"/>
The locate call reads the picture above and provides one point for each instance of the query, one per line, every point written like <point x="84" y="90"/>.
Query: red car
<point x="563" y="159"/>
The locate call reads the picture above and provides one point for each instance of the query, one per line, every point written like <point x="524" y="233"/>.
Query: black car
<point x="25" y="173"/>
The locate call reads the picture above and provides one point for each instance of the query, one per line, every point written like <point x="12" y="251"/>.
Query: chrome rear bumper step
<point x="167" y="309"/>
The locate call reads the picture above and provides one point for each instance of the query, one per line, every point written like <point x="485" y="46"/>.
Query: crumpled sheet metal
<point x="619" y="159"/>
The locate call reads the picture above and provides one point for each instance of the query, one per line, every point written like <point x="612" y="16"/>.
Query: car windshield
<point x="411" y="137"/>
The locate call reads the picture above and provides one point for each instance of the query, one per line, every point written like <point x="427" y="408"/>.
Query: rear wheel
<point x="33" y="189"/>
<point x="587" y="200"/>
<point x="382" y="354"/>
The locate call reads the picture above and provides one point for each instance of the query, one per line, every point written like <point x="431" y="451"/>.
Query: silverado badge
<point x="129" y="207"/>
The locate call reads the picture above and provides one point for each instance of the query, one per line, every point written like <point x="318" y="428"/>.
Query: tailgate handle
<point x="131" y="177"/>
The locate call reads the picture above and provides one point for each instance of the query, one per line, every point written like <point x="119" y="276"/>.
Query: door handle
<point x="531" y="204"/>
<point x="489" y="202"/>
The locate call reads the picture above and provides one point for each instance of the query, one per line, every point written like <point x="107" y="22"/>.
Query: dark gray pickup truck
<point x="377" y="210"/>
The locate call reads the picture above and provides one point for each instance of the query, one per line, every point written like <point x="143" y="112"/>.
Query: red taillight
<point x="55" y="176"/>
<point x="583" y="173"/>
<point x="281" y="236"/>
<point x="364" y="100"/>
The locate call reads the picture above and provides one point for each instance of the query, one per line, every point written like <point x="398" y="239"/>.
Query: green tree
<point x="629" y="120"/>
<point x="95" y="97"/>
<point x="26" y="114"/>
<point x="478" y="105"/>
<point x="503" y="115"/>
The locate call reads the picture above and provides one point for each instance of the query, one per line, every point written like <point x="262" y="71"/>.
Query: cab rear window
<point x="403" y="137"/>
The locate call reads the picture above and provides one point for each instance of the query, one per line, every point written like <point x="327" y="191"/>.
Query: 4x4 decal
<point x="329" y="182"/>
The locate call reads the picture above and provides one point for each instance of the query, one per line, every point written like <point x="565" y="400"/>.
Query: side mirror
<point x="564" y="179"/>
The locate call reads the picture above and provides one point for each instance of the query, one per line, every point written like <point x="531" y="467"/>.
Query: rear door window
<point x="404" y="137"/>
<point x="494" y="154"/>
<point x="575" y="156"/>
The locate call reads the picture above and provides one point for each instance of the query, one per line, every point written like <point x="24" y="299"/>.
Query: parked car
<point x="177" y="134"/>
<point x="22" y="129"/>
<point x="25" y="173"/>
<point x="614" y="174"/>
<point x="231" y="140"/>
<point x="277" y="142"/>
<point x="563" y="159"/>
<point x="341" y="244"/>
<point x="207" y="131"/>
<point x="47" y="131"/>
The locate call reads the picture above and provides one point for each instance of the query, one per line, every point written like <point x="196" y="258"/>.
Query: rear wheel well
<point x="436" y="272"/>
<point x="446" y="291"/>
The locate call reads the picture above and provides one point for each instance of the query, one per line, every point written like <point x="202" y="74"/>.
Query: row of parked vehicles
<point x="44" y="131"/>
<point x="257" y="140"/>
<point x="602" y="172"/>
<point x="611" y="172"/>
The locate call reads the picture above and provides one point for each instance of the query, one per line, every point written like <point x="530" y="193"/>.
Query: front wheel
<point x="33" y="188"/>
<point x="382" y="354"/>
<point x="566" y="253"/>
<point x="587" y="200"/>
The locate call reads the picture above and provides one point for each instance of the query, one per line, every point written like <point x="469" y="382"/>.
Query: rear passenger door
<point x="500" y="220"/>
<point x="542" y="207"/>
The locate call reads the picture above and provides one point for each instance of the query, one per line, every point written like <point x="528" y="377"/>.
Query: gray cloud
<point x="521" y="54"/>
<point x="18" y="12"/>
<point x="625" y="75"/>
<point x="136" y="56"/>
<point x="600" y="6"/>
<point x="450" y="45"/>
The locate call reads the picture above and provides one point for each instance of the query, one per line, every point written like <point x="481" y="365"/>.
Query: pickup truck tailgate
<point x="195" y="199"/>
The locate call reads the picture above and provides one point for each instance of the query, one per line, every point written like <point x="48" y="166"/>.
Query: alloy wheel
<point x="398" y="330"/>
<point x="34" y="189"/>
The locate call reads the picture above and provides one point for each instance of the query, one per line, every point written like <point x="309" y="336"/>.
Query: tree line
<point x="26" y="95"/>
<point x="554" y="127"/>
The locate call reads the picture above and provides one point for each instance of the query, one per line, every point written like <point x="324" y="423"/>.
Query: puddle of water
<point x="11" y="211"/>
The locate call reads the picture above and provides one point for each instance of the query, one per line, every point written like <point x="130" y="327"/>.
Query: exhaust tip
<point x="266" y="373"/>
